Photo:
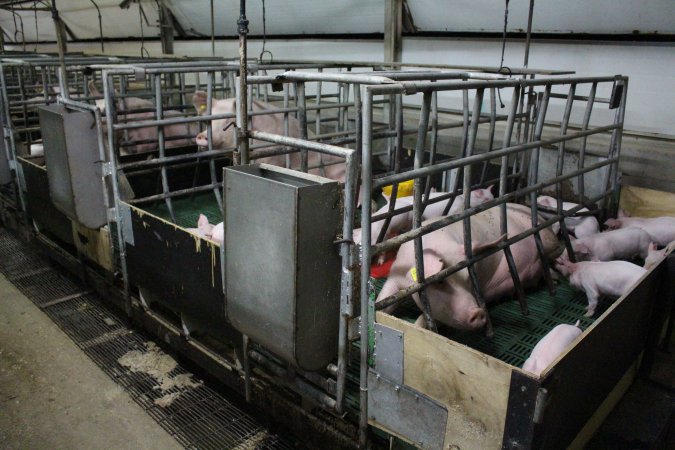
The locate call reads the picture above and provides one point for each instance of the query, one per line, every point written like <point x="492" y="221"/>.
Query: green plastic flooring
<point x="515" y="335"/>
<point x="188" y="208"/>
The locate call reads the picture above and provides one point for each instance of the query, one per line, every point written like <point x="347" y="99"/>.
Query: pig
<point x="223" y="135"/>
<point x="661" y="229"/>
<point x="596" y="278"/>
<point x="625" y="243"/>
<point x="580" y="226"/>
<point x="550" y="347"/>
<point x="209" y="231"/>
<point x="655" y="256"/>
<point x="146" y="133"/>
<point x="403" y="222"/>
<point x="452" y="300"/>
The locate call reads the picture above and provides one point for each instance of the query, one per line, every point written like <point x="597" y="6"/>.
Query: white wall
<point x="651" y="92"/>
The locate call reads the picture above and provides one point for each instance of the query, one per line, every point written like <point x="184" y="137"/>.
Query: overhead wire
<point x="263" y="51"/>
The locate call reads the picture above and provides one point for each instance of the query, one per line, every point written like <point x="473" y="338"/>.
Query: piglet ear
<point x="652" y="246"/>
<point x="199" y="102"/>
<point x="203" y="221"/>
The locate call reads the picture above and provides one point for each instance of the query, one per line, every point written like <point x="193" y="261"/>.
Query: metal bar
<point x="454" y="164"/>
<point x="471" y="141"/>
<point x="559" y="171"/>
<point x="533" y="179"/>
<point x="503" y="222"/>
<point x="417" y="208"/>
<point x="178" y="193"/>
<point x="582" y="147"/>
<point x="302" y="144"/>
<point x="396" y="242"/>
<point x="160" y="135"/>
<point x="242" y="95"/>
<point x="399" y="296"/>
<point x="367" y="304"/>
<point x="302" y="118"/>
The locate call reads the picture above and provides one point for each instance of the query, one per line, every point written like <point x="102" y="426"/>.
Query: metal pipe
<point x="559" y="170"/>
<point x="367" y="304"/>
<point x="400" y="295"/>
<point x="528" y="38"/>
<point x="582" y="147"/>
<point x="454" y="164"/>
<point x="396" y="242"/>
<point x="417" y="208"/>
<point x="242" y="97"/>
<point x="302" y="119"/>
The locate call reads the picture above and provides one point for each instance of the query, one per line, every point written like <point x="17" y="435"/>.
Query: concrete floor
<point x="65" y="401"/>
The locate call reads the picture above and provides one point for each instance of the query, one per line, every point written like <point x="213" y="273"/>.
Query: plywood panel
<point x="94" y="244"/>
<point x="641" y="202"/>
<point x="473" y="386"/>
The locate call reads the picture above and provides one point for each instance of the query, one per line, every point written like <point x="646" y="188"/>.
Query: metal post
<point x="393" y="30"/>
<point x="367" y="318"/>
<point x="530" y="14"/>
<point x="242" y="104"/>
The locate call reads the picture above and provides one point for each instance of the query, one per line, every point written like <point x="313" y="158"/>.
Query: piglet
<point x="611" y="278"/>
<point x="206" y="230"/>
<point x="610" y="245"/>
<point x="580" y="226"/>
<point x="654" y="256"/>
<point x="550" y="347"/>
<point x="661" y="229"/>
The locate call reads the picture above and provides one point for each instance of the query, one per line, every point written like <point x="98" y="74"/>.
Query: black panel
<point x="185" y="277"/>
<point x="520" y="412"/>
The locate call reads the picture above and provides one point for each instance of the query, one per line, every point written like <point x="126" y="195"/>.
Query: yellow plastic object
<point x="405" y="189"/>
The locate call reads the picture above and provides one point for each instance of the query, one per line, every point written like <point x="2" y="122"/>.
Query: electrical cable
<point x="262" y="53"/>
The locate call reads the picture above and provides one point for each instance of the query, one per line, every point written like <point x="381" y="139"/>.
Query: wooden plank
<point x="94" y="244"/>
<point x="641" y="202"/>
<point x="473" y="386"/>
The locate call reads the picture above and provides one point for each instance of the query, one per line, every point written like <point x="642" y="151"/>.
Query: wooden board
<point x="641" y="202"/>
<point x="473" y="386"/>
<point x="94" y="244"/>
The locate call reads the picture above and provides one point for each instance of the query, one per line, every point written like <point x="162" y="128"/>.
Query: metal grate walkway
<point x="197" y="416"/>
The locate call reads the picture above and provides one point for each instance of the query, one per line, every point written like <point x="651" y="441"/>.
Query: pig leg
<point x="391" y="287"/>
<point x="593" y="295"/>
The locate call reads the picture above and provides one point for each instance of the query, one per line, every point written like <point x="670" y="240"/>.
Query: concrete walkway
<point x="63" y="402"/>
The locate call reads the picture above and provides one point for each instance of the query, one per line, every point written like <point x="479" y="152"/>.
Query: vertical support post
<point x="393" y="30"/>
<point x="582" y="146"/>
<point x="166" y="28"/>
<point x="528" y="39"/>
<point x="367" y="304"/>
<point x="417" y="207"/>
<point x="503" y="222"/>
<point x="560" y="164"/>
<point x="213" y="32"/>
<point x="160" y="144"/>
<point x="60" y="28"/>
<point x="302" y="118"/>
<point x="242" y="103"/>
<point x="612" y="174"/>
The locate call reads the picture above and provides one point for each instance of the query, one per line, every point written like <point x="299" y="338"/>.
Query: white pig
<point x="128" y="105"/>
<point x="661" y="229"/>
<point x="580" y="226"/>
<point x="610" y="245"/>
<point x="222" y="135"/>
<point x="452" y="300"/>
<point x="596" y="278"/>
<point x="206" y="230"/>
<point x="403" y="222"/>
<point x="550" y="347"/>
<point x="654" y="256"/>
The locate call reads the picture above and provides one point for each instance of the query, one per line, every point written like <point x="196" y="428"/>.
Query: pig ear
<point x="432" y="265"/>
<point x="202" y="222"/>
<point x="199" y="102"/>
<point x="622" y="213"/>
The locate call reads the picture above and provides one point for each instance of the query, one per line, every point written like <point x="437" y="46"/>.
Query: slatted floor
<point x="195" y="414"/>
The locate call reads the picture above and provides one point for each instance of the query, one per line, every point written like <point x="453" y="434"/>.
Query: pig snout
<point x="201" y="140"/>
<point x="476" y="319"/>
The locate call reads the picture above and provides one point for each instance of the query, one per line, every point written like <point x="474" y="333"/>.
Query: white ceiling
<point x="352" y="16"/>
